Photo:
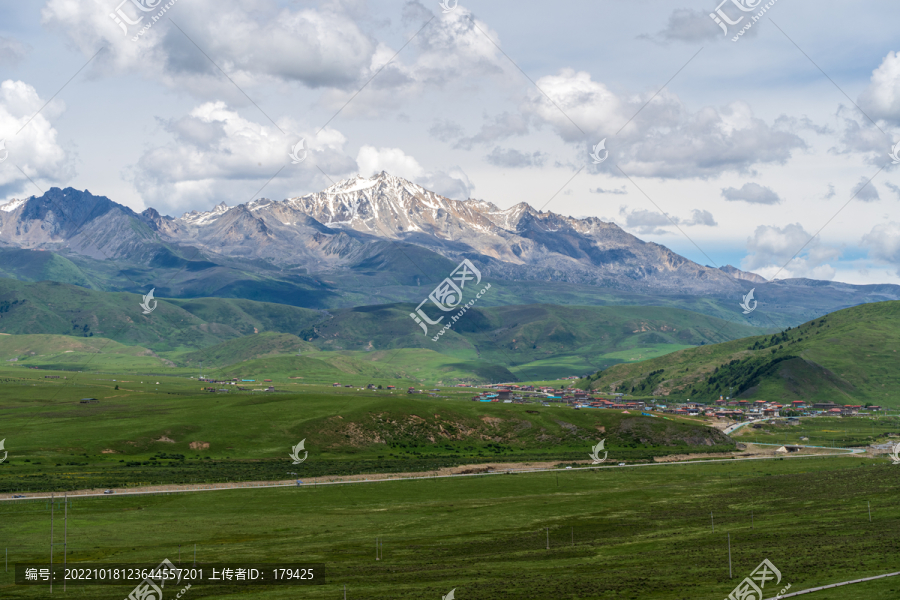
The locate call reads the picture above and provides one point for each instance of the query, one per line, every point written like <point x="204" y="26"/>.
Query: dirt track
<point x="459" y="470"/>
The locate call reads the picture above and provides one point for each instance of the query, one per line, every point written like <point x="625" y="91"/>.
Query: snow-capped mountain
<point x="334" y="228"/>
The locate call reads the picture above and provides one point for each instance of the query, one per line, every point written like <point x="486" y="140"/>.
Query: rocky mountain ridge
<point x="372" y="224"/>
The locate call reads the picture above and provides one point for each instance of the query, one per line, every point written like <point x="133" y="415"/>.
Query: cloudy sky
<point x="727" y="143"/>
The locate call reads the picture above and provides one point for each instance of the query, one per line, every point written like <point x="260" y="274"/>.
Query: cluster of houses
<point x="724" y="408"/>
<point x="573" y="397"/>
<point x="761" y="408"/>
<point x="233" y="382"/>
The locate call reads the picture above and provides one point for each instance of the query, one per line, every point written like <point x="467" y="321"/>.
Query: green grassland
<point x="612" y="533"/>
<point x="525" y="334"/>
<point x="848" y="357"/>
<point x="164" y="430"/>
<point x="824" y="431"/>
<point x="509" y="342"/>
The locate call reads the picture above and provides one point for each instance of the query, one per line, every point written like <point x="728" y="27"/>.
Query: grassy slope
<point x="613" y="533"/>
<point x="536" y="340"/>
<point x="243" y="349"/>
<point x="49" y="307"/>
<point x="33" y="265"/>
<point x="260" y="356"/>
<point x="848" y="357"/>
<point x="533" y="341"/>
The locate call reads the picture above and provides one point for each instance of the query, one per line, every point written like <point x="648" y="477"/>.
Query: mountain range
<point x="379" y="240"/>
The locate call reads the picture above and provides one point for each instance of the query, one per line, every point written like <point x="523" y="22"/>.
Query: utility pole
<point x="869" y="502"/>
<point x="729" y="556"/>
<point x="51" y="542"/>
<point x="66" y="536"/>
<point x="713" y="521"/>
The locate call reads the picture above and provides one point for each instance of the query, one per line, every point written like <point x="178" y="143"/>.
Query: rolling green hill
<point x="848" y="357"/>
<point x="55" y="308"/>
<point x="245" y="348"/>
<point x="35" y="265"/>
<point x="266" y="355"/>
<point x="534" y="341"/>
<point x="525" y="342"/>
<point x="71" y="353"/>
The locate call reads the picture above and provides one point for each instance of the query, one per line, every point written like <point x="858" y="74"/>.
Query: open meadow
<point x="632" y="531"/>
<point x="165" y="430"/>
<point x="659" y="531"/>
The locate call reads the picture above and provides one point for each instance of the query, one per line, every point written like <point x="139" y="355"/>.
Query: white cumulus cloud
<point x="32" y="146"/>
<point x="216" y="154"/>
<point x="883" y="243"/>
<point x="772" y="251"/>
<point x="662" y="139"/>
<point x="452" y="183"/>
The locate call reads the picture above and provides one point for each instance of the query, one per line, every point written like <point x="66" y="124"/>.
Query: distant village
<point x="723" y="408"/>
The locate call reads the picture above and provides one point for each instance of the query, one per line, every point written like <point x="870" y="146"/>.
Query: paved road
<point x="833" y="585"/>
<point x="737" y="426"/>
